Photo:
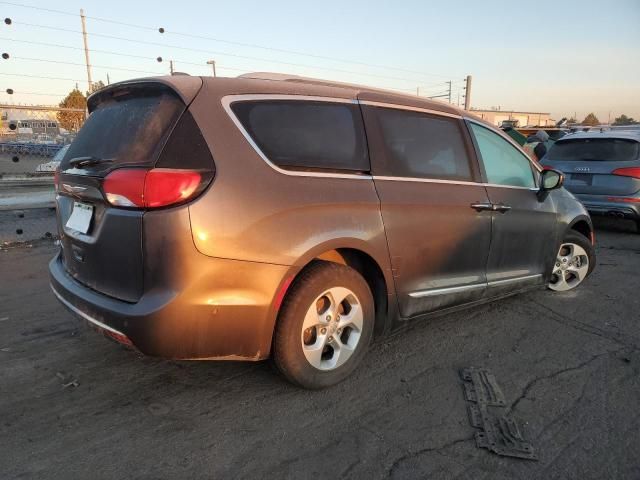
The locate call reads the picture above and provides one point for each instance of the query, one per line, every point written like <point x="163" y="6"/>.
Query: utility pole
<point x="108" y="81"/>
<point x="86" y="48"/>
<point x="171" y="67"/>
<point x="417" y="91"/>
<point x="213" y="64"/>
<point x="449" y="82"/>
<point x="467" y="93"/>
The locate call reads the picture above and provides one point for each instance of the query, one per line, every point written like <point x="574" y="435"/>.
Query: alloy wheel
<point x="570" y="269"/>
<point x="332" y="328"/>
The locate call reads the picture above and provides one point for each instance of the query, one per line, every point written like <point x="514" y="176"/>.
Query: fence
<point x="32" y="149"/>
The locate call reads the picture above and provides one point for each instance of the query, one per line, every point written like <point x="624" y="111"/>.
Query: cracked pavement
<point x="568" y="364"/>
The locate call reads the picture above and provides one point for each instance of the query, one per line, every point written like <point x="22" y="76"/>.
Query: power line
<point x="30" y="59"/>
<point x="219" y="40"/>
<point x="41" y="77"/>
<point x="57" y="45"/>
<point x="37" y="93"/>
<point x="213" y="52"/>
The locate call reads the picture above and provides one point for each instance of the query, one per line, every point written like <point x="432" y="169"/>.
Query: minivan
<point x="274" y="216"/>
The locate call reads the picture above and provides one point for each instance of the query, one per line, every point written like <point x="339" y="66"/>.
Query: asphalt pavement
<point x="75" y="405"/>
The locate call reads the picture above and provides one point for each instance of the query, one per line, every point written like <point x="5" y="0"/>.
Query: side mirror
<point x="551" y="179"/>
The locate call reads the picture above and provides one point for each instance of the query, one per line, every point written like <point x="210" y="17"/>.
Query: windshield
<point x="597" y="149"/>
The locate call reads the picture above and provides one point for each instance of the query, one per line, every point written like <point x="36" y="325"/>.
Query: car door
<point x="427" y="181"/>
<point x="523" y="235"/>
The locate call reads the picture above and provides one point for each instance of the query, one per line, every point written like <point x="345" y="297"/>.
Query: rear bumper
<point x="601" y="205"/>
<point x="227" y="313"/>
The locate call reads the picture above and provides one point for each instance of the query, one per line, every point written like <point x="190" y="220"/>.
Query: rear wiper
<point x="88" y="161"/>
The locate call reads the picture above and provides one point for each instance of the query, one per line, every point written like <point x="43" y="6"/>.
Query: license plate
<point x="582" y="178"/>
<point x="80" y="219"/>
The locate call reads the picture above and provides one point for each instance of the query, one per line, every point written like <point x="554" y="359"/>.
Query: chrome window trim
<point x="228" y="100"/>
<point x="473" y="286"/>
<point x="497" y="185"/>
<point x="395" y="106"/>
<point x="426" y="180"/>
<point x="88" y="318"/>
<point x="449" y="182"/>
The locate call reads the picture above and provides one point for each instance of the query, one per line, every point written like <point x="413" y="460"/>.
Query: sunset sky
<point x="558" y="57"/>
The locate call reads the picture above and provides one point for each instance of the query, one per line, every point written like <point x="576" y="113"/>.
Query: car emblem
<point x="582" y="169"/>
<point x="73" y="188"/>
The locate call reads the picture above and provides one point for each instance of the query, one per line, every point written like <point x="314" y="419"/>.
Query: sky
<point x="563" y="57"/>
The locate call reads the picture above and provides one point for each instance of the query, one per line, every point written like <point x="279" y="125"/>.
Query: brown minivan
<point x="283" y="217"/>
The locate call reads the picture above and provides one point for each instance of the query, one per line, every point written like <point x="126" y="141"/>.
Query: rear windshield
<point x="127" y="127"/>
<point x="596" y="149"/>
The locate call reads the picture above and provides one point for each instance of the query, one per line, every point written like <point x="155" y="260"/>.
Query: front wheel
<point x="575" y="261"/>
<point x="324" y="327"/>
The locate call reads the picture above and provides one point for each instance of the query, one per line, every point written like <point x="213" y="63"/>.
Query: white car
<point x="53" y="164"/>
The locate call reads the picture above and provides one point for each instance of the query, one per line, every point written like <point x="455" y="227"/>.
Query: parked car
<point x="291" y="218"/>
<point x="602" y="169"/>
<point x="53" y="165"/>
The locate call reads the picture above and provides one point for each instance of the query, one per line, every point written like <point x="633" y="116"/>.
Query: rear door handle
<point x="482" y="206"/>
<point x="501" y="207"/>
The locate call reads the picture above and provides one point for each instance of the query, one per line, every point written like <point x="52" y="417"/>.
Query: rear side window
<point x="304" y="135"/>
<point x="127" y="127"/>
<point x="422" y="145"/>
<point x="596" y="149"/>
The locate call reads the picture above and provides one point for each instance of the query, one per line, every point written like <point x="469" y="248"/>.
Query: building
<point x="38" y="126"/>
<point x="524" y="119"/>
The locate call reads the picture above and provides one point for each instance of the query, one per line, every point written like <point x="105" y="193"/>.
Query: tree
<point x="72" y="120"/>
<point x="95" y="86"/>
<point x="624" y="120"/>
<point x="591" y="120"/>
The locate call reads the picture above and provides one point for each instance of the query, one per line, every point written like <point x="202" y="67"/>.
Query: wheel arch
<point x="583" y="226"/>
<point x="357" y="255"/>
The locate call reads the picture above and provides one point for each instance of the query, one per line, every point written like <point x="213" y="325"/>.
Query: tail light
<point x="633" y="172"/>
<point x="155" y="188"/>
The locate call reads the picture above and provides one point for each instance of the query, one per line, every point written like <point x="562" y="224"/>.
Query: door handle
<point x="481" y="206"/>
<point x="501" y="207"/>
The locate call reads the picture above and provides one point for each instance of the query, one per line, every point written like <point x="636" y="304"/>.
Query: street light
<point x="213" y="64"/>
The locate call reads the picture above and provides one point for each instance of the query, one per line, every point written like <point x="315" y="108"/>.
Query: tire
<point x="335" y="305"/>
<point x="637" y="226"/>
<point x="570" y="270"/>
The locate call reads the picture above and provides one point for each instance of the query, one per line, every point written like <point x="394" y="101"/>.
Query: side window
<point x="304" y="135"/>
<point x="423" y="145"/>
<point x="503" y="163"/>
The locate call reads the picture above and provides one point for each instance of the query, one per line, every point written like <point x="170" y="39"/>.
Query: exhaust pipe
<point x="614" y="214"/>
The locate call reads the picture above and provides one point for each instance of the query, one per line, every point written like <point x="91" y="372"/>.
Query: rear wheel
<point x="324" y="327"/>
<point x="575" y="261"/>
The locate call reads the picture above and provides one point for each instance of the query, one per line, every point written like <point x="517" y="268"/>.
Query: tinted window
<point x="127" y="127"/>
<point x="504" y="164"/>
<point x="613" y="149"/>
<point x="306" y="135"/>
<point x="186" y="147"/>
<point x="421" y="145"/>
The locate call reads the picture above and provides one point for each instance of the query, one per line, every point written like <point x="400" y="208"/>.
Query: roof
<point x="510" y="112"/>
<point x="620" y="134"/>
<point x="362" y="92"/>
